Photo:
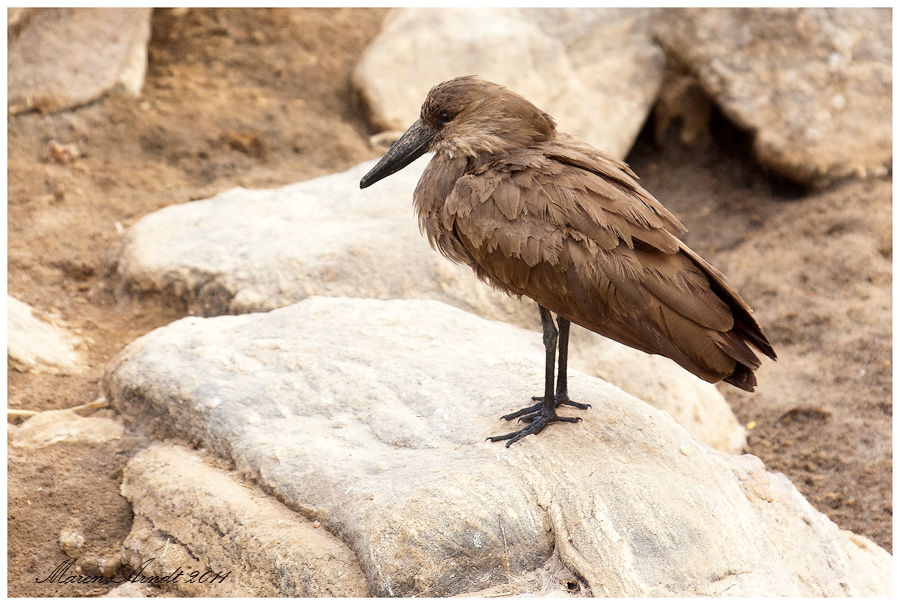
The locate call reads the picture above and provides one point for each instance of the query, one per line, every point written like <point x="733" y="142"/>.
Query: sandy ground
<point x="261" y="98"/>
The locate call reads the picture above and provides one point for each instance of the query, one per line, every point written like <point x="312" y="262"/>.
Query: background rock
<point x="594" y="70"/>
<point x="65" y="57"/>
<point x="694" y="404"/>
<point x="194" y="517"/>
<point x="34" y="344"/>
<point x="813" y="85"/>
<point x="137" y="591"/>
<point x="385" y="425"/>
<point x="258" y="250"/>
<point x="66" y="426"/>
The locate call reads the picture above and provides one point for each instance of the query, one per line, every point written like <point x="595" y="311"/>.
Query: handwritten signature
<point x="128" y="573"/>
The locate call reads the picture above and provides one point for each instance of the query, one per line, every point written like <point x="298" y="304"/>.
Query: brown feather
<point x="538" y="214"/>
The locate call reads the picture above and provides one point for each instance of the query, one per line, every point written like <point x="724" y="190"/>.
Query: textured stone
<point x="65" y="426"/>
<point x="813" y="85"/>
<point x="595" y="70"/>
<point x="197" y="518"/>
<point x="34" y="344"/>
<point x="694" y="404"/>
<point x="66" y="57"/>
<point x="370" y="416"/>
<point x="248" y="251"/>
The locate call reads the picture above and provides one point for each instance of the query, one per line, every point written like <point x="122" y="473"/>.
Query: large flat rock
<point x="813" y="85"/>
<point x="244" y="251"/>
<point x="66" y="57"/>
<point x="370" y="416"/>
<point x="595" y="70"/>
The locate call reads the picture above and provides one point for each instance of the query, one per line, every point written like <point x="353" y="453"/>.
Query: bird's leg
<point x="550" y="339"/>
<point x="562" y="386"/>
<point x="543" y="412"/>
<point x="562" y="389"/>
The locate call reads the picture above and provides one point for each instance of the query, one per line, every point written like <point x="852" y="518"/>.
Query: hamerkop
<point x="536" y="213"/>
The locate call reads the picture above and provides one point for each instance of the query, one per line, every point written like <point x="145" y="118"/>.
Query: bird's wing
<point x="541" y="210"/>
<point x="685" y="261"/>
<point x="585" y="247"/>
<point x="570" y="152"/>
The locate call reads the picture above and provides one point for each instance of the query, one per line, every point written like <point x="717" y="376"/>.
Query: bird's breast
<point x="437" y="182"/>
<point x="429" y="200"/>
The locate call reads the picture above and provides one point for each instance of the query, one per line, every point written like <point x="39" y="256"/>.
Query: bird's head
<point x="466" y="116"/>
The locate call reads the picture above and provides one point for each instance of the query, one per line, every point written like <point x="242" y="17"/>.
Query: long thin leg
<point x="544" y="412"/>
<point x="562" y="383"/>
<point x="550" y="340"/>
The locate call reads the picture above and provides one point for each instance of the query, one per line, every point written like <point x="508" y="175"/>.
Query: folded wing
<point x="571" y="229"/>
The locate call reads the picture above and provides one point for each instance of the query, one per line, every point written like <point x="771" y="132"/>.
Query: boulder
<point x="66" y="57"/>
<point x="595" y="70"/>
<point x="813" y="85"/>
<point x="371" y="417"/>
<point x="244" y="251"/>
<point x="35" y="345"/>
<point x="194" y="520"/>
<point x="693" y="403"/>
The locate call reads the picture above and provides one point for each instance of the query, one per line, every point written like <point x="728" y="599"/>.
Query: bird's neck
<point x="471" y="147"/>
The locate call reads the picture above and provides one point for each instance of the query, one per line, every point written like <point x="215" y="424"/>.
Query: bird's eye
<point x="445" y="117"/>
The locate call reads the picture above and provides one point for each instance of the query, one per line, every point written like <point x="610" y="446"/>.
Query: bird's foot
<point x="529" y="410"/>
<point x="537" y="418"/>
<point x="561" y="399"/>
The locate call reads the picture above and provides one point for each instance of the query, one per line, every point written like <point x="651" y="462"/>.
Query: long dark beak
<point x="404" y="152"/>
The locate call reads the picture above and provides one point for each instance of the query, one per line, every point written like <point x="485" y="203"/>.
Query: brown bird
<point x="536" y="213"/>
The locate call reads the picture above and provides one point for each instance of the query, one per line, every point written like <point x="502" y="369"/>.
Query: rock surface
<point x="34" y="344"/>
<point x="694" y="404"/>
<point x="248" y="251"/>
<point x="595" y="70"/>
<point x="65" y="426"/>
<point x="193" y="517"/>
<point x="813" y="85"/>
<point x="66" y="57"/>
<point x="379" y="435"/>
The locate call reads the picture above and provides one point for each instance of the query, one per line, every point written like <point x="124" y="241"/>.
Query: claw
<point x="528" y="410"/>
<point x="564" y="400"/>
<point x="536" y="423"/>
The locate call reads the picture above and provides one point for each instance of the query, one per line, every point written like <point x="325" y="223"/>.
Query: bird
<point x="537" y="213"/>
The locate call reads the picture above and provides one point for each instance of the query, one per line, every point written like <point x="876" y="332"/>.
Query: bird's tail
<point x="746" y="329"/>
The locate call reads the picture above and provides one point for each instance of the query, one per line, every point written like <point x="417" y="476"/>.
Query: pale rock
<point x="695" y="404"/>
<point x="615" y="58"/>
<point x="552" y="580"/>
<point x="596" y="71"/>
<point x="18" y="17"/>
<point x="135" y="590"/>
<point x="813" y="85"/>
<point x="35" y="345"/>
<point x="71" y="539"/>
<point x="371" y="416"/>
<point x="195" y="517"/>
<point x="65" y="57"/>
<point x="65" y="426"/>
<point x="244" y="251"/>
